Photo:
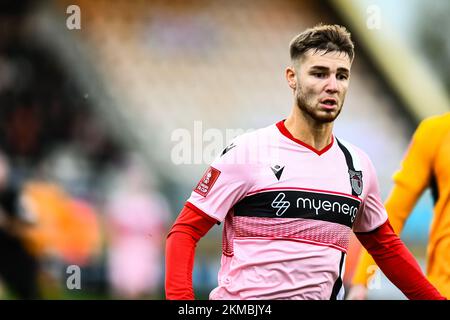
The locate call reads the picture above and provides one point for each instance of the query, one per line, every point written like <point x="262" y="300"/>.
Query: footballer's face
<point x="320" y="82"/>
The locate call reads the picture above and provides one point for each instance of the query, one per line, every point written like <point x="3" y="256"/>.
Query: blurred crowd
<point x="69" y="193"/>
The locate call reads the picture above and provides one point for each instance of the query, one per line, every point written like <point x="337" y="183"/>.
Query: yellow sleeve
<point x="409" y="183"/>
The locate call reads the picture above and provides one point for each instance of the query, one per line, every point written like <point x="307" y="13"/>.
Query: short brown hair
<point x="322" y="37"/>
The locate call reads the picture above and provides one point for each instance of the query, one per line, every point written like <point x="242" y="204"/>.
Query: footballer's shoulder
<point x="252" y="136"/>
<point x="444" y="117"/>
<point x="435" y="123"/>
<point x="430" y="131"/>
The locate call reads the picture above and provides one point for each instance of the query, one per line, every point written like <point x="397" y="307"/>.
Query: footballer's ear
<point x="291" y="77"/>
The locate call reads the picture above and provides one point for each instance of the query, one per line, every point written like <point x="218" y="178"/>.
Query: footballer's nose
<point x="331" y="86"/>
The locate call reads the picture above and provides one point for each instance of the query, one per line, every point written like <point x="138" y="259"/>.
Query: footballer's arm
<point x="397" y="263"/>
<point x="190" y="226"/>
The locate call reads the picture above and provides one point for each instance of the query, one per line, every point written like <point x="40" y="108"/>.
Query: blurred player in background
<point x="137" y="218"/>
<point x="41" y="223"/>
<point x="289" y="196"/>
<point x="426" y="164"/>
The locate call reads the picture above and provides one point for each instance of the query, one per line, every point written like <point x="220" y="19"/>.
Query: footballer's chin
<point x="326" y="115"/>
<point x="320" y="112"/>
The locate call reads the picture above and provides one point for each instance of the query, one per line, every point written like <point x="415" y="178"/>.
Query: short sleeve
<point x="224" y="183"/>
<point x="372" y="213"/>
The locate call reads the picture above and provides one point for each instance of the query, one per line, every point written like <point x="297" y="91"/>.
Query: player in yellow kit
<point x="426" y="164"/>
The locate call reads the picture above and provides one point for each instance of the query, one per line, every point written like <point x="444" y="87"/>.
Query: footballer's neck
<point x="309" y="131"/>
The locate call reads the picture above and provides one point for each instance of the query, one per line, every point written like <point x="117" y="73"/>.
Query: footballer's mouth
<point x="329" y="103"/>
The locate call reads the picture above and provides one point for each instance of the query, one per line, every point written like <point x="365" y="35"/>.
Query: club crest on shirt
<point x="356" y="181"/>
<point x="207" y="181"/>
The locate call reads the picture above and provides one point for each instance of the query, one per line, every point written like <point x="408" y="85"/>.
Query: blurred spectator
<point x="19" y="268"/>
<point x="46" y="119"/>
<point x="137" y="218"/>
<point x="66" y="228"/>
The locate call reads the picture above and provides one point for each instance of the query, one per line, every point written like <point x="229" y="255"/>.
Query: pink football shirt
<point x="288" y="212"/>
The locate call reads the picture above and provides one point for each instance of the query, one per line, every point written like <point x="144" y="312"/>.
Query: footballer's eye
<point x="342" y="76"/>
<point x="319" y="75"/>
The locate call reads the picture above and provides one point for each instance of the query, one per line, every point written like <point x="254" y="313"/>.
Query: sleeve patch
<point x="207" y="181"/>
